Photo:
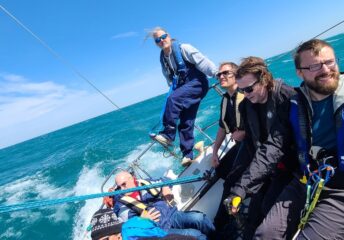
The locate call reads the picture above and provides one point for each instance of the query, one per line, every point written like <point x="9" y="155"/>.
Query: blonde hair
<point x="151" y="32"/>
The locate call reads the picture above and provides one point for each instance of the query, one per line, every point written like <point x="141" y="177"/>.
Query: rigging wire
<point x="67" y="63"/>
<point x="58" y="56"/>
<point x="328" y="29"/>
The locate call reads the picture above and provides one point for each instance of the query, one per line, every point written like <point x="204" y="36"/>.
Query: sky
<point x="104" y="41"/>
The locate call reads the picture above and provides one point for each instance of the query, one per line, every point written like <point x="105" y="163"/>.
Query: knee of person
<point x="197" y="216"/>
<point x="265" y="232"/>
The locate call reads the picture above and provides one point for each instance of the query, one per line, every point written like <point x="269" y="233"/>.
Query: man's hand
<point x="151" y="214"/>
<point x="169" y="198"/>
<point x="238" y="135"/>
<point x="232" y="204"/>
<point x="215" y="160"/>
<point x="109" y="201"/>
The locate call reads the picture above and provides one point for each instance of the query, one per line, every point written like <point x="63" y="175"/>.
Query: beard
<point x="325" y="89"/>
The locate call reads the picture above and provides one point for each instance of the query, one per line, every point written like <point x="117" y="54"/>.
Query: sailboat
<point x="202" y="195"/>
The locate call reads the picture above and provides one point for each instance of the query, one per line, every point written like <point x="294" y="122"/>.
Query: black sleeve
<point x="267" y="155"/>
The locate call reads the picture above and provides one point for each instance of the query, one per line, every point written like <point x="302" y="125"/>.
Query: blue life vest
<point x="138" y="227"/>
<point x="185" y="70"/>
<point x="301" y="123"/>
<point x="149" y="200"/>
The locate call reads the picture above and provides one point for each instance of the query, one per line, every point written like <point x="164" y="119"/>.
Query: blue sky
<point x="104" y="40"/>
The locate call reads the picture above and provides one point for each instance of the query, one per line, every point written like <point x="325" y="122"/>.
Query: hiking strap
<point x="154" y="191"/>
<point x="239" y="99"/>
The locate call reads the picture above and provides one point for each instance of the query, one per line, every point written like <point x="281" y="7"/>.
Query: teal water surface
<point x="76" y="159"/>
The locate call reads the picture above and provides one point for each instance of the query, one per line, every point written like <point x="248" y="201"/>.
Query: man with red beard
<point x="316" y="128"/>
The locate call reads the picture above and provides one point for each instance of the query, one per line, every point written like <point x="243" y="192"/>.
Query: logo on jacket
<point x="269" y="114"/>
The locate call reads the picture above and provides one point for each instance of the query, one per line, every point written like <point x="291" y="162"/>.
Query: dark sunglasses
<point x="227" y="73"/>
<point x="162" y="37"/>
<point x="248" y="89"/>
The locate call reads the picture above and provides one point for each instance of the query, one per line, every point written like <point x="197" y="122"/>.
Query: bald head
<point x="124" y="180"/>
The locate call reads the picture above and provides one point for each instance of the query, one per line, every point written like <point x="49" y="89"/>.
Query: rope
<point x="328" y="29"/>
<point x="58" y="56"/>
<point x="51" y="202"/>
<point x="319" y="179"/>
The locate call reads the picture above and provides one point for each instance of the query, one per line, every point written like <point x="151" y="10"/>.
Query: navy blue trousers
<point x="182" y="105"/>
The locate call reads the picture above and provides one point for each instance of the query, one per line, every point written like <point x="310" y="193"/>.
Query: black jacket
<point x="257" y="133"/>
<point x="278" y="145"/>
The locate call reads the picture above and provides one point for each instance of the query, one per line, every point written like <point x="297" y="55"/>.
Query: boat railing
<point x="135" y="166"/>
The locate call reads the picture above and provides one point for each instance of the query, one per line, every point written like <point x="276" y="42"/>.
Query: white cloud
<point x="29" y="109"/>
<point x="12" y="77"/>
<point x="124" y="35"/>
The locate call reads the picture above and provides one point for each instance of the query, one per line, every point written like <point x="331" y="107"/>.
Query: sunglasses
<point x="226" y="73"/>
<point x="248" y="89"/>
<point x="162" y="37"/>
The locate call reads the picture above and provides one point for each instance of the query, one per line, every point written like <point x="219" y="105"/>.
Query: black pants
<point x="325" y="221"/>
<point x="257" y="208"/>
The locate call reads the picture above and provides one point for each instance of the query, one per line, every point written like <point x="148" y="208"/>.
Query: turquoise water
<point x="76" y="159"/>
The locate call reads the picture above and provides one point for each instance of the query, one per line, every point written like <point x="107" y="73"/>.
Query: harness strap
<point x="298" y="122"/>
<point x="133" y="204"/>
<point x="154" y="191"/>
<point x="223" y="114"/>
<point x="239" y="99"/>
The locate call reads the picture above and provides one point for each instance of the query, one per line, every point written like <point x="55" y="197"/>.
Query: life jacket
<point x="136" y="204"/>
<point x="300" y="119"/>
<point x="238" y="122"/>
<point x="185" y="70"/>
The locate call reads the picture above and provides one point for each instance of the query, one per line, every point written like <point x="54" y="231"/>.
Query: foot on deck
<point x="199" y="146"/>
<point x="162" y="140"/>
<point x="186" y="161"/>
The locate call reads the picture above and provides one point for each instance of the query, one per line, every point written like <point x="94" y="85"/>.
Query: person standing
<point x="185" y="69"/>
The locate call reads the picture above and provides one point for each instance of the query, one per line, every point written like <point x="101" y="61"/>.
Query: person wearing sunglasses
<point x="229" y="123"/>
<point x="185" y="69"/>
<point x="264" y="97"/>
<point x="314" y="126"/>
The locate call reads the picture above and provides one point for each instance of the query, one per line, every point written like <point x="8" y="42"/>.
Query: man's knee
<point x="267" y="231"/>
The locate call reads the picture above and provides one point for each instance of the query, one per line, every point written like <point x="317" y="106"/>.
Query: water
<point x="76" y="159"/>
